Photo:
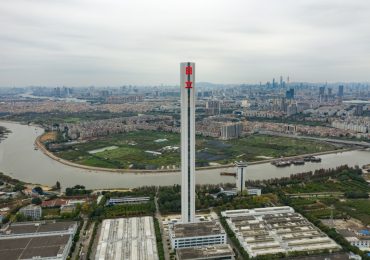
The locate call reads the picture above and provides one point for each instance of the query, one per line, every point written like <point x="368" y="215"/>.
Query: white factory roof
<point x="272" y="230"/>
<point x="127" y="238"/>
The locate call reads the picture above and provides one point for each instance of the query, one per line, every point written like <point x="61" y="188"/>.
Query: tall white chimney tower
<point x="241" y="168"/>
<point x="187" y="85"/>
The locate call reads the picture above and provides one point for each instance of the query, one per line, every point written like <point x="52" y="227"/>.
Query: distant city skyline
<point x="101" y="43"/>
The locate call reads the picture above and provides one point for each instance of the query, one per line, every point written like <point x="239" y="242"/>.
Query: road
<point x="83" y="242"/>
<point x="159" y="217"/>
<point x="77" y="248"/>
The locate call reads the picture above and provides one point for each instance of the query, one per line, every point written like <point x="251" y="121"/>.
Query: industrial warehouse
<point x="37" y="240"/>
<point x="223" y="252"/>
<point x="275" y="230"/>
<point x="127" y="238"/>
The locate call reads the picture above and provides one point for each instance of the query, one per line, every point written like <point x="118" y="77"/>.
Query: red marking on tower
<point x="188" y="84"/>
<point x="189" y="70"/>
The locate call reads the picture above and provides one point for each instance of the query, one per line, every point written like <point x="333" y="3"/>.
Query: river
<point x="19" y="160"/>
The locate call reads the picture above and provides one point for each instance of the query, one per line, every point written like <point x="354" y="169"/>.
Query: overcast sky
<point x="90" y="42"/>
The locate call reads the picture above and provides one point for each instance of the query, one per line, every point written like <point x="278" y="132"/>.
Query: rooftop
<point x="127" y="238"/>
<point x="276" y="230"/>
<point x="222" y="250"/>
<point x="31" y="207"/>
<point x="38" y="227"/>
<point x="25" y="248"/>
<point x="205" y="228"/>
<point x="39" y="240"/>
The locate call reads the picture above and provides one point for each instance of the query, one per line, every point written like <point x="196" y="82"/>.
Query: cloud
<point x="115" y="42"/>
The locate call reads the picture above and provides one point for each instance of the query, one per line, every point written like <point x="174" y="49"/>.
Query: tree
<point x="39" y="190"/>
<point x="19" y="217"/>
<point x="85" y="208"/>
<point x="36" y="201"/>
<point x="57" y="185"/>
<point x="18" y="187"/>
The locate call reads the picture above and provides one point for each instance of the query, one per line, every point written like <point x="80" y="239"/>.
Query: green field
<point x="321" y="208"/>
<point x="132" y="147"/>
<point x="353" y="202"/>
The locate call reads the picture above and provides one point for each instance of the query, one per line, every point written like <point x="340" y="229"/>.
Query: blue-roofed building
<point x="364" y="232"/>
<point x="359" y="238"/>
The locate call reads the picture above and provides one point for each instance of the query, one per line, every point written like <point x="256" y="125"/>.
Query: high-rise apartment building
<point x="340" y="91"/>
<point x="213" y="107"/>
<point x="289" y="94"/>
<point x="231" y="130"/>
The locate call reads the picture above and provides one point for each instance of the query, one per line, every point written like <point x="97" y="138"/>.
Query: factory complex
<point x="37" y="240"/>
<point x="127" y="238"/>
<point x="273" y="230"/>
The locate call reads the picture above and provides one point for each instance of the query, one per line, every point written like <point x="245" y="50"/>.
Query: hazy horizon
<point x="113" y="43"/>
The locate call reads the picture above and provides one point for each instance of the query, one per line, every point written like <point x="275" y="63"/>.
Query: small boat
<point x="227" y="174"/>
<point x="283" y="163"/>
<point x="315" y="159"/>
<point x="298" y="162"/>
<point x="312" y="159"/>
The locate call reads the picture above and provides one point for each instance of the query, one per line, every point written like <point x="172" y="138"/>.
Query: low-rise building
<point x="69" y="208"/>
<point x="358" y="238"/>
<point x="32" y="211"/>
<point x="127" y="238"/>
<point x="127" y="200"/>
<point x="254" y="191"/>
<point x="183" y="235"/>
<point x="233" y="192"/>
<point x="273" y="230"/>
<point x="215" y="252"/>
<point x="37" y="240"/>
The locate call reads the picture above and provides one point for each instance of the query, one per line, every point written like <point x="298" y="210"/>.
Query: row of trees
<point x="169" y="199"/>
<point x="77" y="190"/>
<point x="321" y="174"/>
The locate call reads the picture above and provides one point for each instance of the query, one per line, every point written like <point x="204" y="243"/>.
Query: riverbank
<point x="3" y="132"/>
<point x="21" y="161"/>
<point x="41" y="146"/>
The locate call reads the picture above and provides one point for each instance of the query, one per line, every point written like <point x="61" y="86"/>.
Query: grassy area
<point x="342" y="208"/>
<point x="328" y="186"/>
<point x="50" y="212"/>
<point x="349" y="181"/>
<point x="132" y="147"/>
<point x="359" y="209"/>
<point x="351" y="204"/>
<point x="129" y="210"/>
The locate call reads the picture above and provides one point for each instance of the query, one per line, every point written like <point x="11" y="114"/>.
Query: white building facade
<point x="186" y="235"/>
<point x="35" y="212"/>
